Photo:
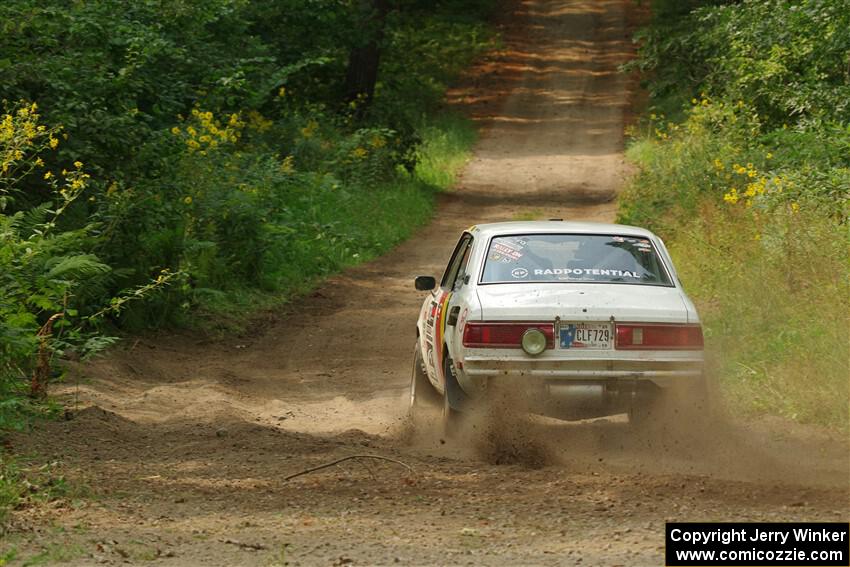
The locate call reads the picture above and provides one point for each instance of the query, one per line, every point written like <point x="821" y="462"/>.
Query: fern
<point x="35" y="218"/>
<point x="10" y="226"/>
<point x="77" y="267"/>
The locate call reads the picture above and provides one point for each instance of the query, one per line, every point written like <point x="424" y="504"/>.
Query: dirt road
<point x="183" y="443"/>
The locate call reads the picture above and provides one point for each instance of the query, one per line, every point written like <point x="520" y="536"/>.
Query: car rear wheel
<point x="690" y="402"/>
<point x="453" y="397"/>
<point x="423" y="396"/>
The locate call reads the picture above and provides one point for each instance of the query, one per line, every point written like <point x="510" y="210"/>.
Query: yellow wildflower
<point x="732" y="196"/>
<point x="359" y="152"/>
<point x="175" y="131"/>
<point x="187" y="200"/>
<point x="795" y="208"/>
<point x="48" y="175"/>
<point x="309" y="129"/>
<point x="78" y="164"/>
<point x="53" y="142"/>
<point x="258" y="122"/>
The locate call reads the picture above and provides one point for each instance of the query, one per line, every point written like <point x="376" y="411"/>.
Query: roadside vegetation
<point x="186" y="163"/>
<point x="744" y="168"/>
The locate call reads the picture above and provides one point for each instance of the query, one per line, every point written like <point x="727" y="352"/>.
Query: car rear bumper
<point x="578" y="393"/>
<point x="663" y="371"/>
<point x="578" y="384"/>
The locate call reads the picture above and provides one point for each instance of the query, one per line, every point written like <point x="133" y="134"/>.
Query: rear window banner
<point x="579" y="258"/>
<point x="586" y="272"/>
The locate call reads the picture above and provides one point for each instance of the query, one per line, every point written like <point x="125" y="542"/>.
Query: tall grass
<point x="774" y="299"/>
<point x="768" y="268"/>
<point x="333" y="227"/>
<point x="445" y="148"/>
<point x="748" y="181"/>
<point x="767" y="265"/>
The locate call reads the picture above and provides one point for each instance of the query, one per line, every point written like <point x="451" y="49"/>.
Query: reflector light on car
<point x="654" y="337"/>
<point x="503" y="334"/>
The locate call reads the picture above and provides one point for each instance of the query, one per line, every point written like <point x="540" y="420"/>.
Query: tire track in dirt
<point x="184" y="441"/>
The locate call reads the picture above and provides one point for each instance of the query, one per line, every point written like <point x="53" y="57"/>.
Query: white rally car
<point x="584" y="319"/>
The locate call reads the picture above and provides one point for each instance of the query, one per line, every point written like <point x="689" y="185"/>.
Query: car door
<point x="458" y="304"/>
<point x="440" y="306"/>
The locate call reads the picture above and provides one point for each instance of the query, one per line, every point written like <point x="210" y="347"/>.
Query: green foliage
<point x="749" y="182"/>
<point x="773" y="294"/>
<point x="22" y="484"/>
<point x="445" y="148"/>
<point x="42" y="266"/>
<point x="218" y="140"/>
<point x="787" y="61"/>
<point x="220" y="156"/>
<point x="51" y="281"/>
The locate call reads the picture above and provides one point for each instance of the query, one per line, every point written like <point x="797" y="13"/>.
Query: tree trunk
<point x="363" y="60"/>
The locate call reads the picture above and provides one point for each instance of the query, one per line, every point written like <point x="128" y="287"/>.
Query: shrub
<point x="749" y="183"/>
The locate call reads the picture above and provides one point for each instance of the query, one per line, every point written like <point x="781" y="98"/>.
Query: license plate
<point x="594" y="336"/>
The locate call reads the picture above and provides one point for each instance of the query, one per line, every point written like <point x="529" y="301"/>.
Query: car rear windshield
<point x="573" y="258"/>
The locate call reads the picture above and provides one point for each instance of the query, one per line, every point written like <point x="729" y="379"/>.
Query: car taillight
<point x="503" y="335"/>
<point x="659" y="337"/>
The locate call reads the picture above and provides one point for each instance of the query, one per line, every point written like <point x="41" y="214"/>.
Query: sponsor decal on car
<point x="440" y="329"/>
<point x="586" y="272"/>
<point x="508" y="250"/>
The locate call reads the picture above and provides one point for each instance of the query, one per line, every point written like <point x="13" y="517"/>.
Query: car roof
<point x="557" y="226"/>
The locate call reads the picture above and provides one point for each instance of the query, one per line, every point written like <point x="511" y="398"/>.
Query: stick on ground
<point x="336" y="462"/>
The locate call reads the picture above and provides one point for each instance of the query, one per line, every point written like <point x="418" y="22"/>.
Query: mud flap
<point x="455" y="394"/>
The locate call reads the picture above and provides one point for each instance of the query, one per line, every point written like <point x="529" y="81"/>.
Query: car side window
<point x="458" y="258"/>
<point x="461" y="272"/>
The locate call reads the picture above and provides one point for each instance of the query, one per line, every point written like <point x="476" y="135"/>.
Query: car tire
<point x="647" y="411"/>
<point x="691" y="402"/>
<point x="453" y="399"/>
<point x="423" y="396"/>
